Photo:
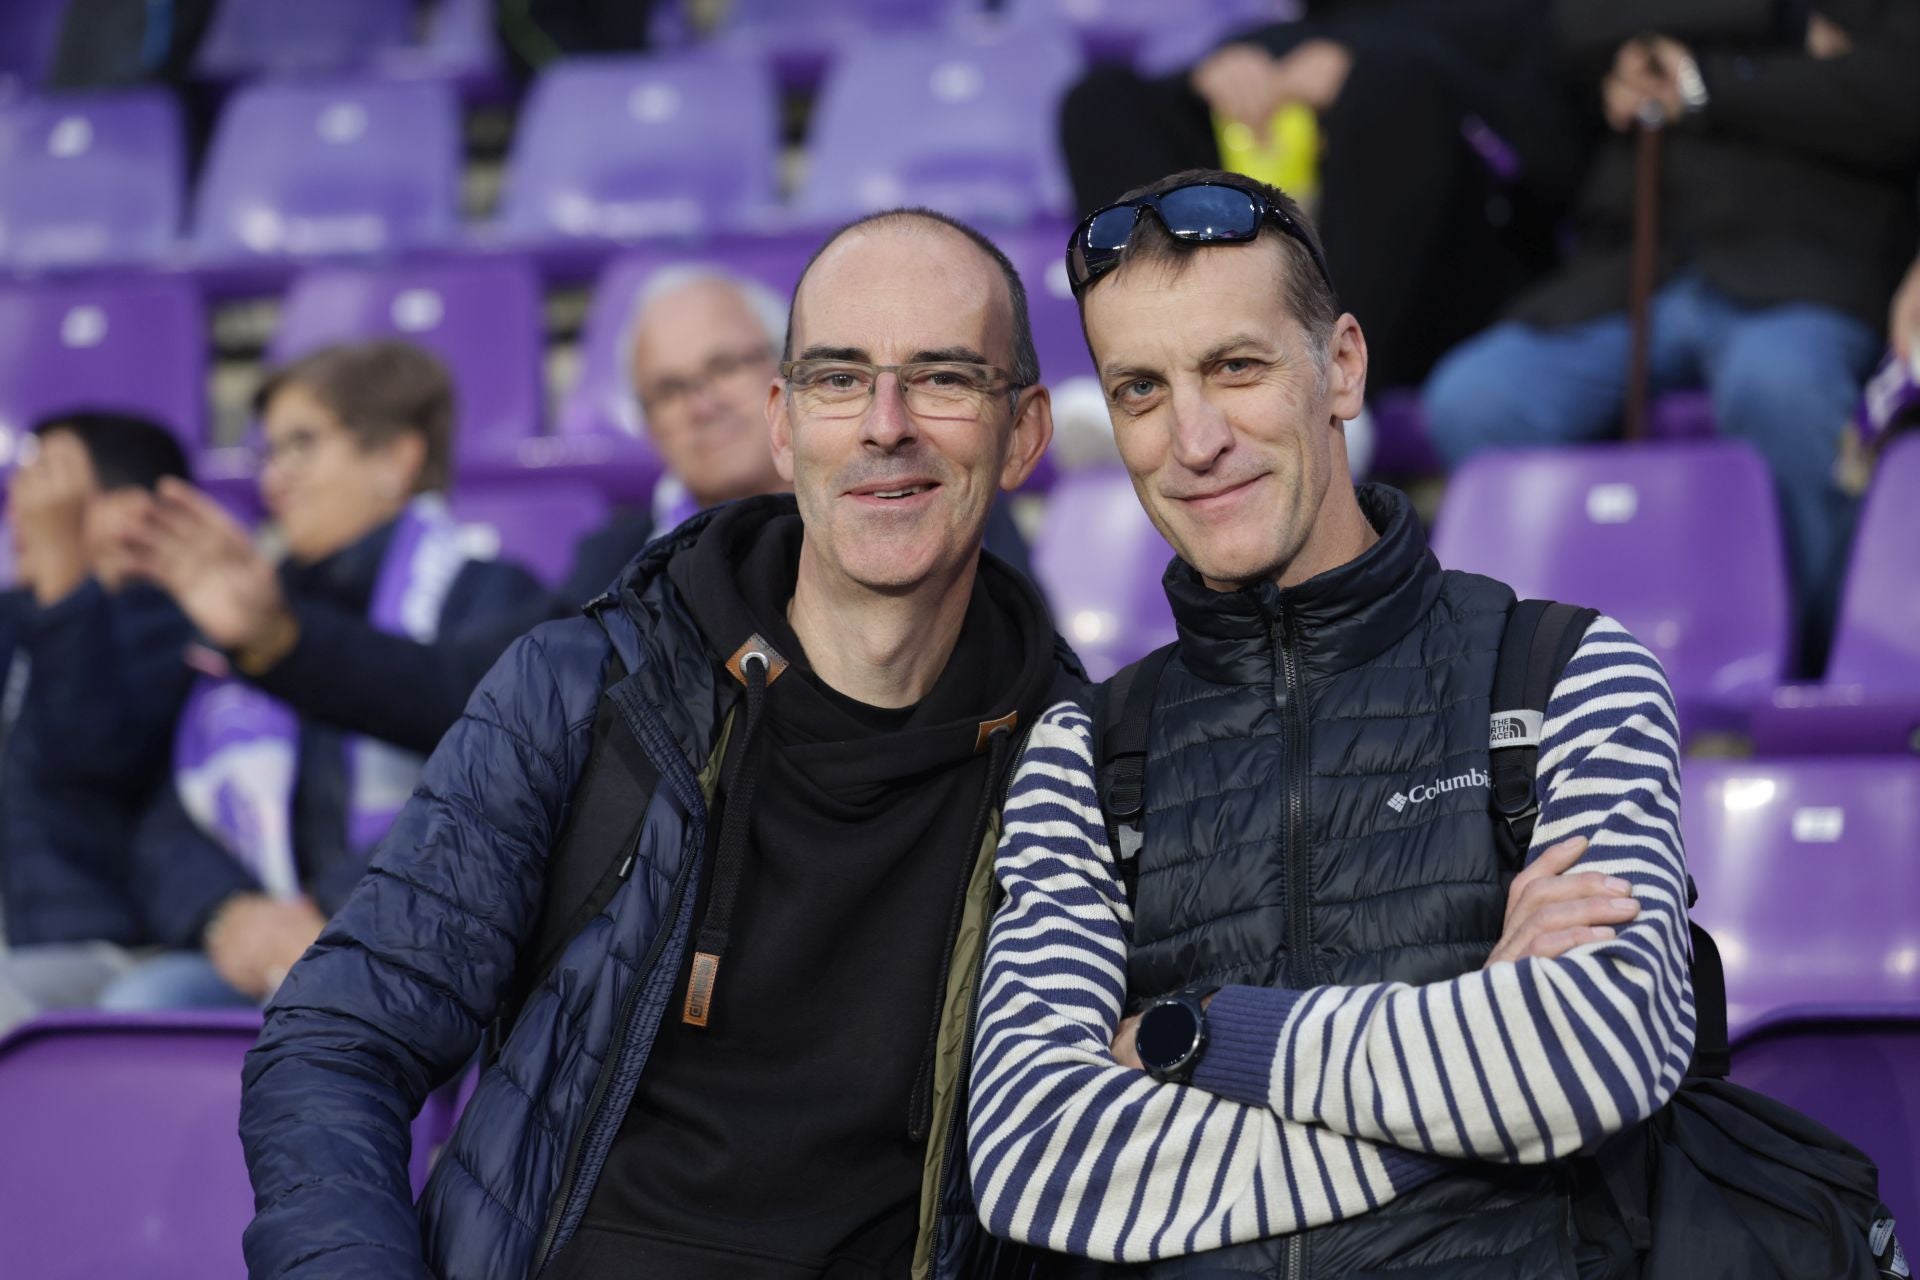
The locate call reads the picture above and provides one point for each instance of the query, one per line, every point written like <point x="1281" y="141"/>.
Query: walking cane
<point x="1645" y="265"/>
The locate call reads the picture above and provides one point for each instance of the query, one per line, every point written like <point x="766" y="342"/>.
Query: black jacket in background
<point x="89" y="740"/>
<point x="343" y="677"/>
<point x="1795" y="184"/>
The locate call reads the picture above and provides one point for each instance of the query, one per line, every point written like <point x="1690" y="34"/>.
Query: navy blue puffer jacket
<point x="393" y="999"/>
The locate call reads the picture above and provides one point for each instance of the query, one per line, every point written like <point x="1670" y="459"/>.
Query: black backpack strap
<point x="1120" y="755"/>
<point x="594" y="853"/>
<point x="1540" y="639"/>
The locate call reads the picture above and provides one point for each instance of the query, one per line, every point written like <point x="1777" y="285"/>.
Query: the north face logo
<point x="1426" y="791"/>
<point x="1508" y="729"/>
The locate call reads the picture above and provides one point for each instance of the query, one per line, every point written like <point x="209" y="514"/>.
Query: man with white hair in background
<point x="701" y="346"/>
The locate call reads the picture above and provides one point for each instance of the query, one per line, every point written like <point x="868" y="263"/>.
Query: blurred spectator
<point x="1787" y="215"/>
<point x="93" y="681"/>
<point x="1425" y="235"/>
<point x="337" y="669"/>
<point x="703" y="347"/>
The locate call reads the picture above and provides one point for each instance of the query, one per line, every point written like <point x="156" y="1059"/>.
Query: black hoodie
<point x="785" y="1138"/>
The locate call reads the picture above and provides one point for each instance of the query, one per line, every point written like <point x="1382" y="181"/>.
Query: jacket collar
<point x="1341" y="619"/>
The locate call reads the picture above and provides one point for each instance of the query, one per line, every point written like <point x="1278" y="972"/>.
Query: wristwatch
<point x="1173" y="1034"/>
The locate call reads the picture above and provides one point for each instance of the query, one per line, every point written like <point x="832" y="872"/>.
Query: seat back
<point x="1100" y="561"/>
<point x="122" y="1156"/>
<point x="531" y="521"/>
<point x="1877" y="641"/>
<point x="955" y="121"/>
<point x="250" y="38"/>
<point x="1039" y="253"/>
<point x="481" y="318"/>
<point x="678" y="145"/>
<point x="29" y="33"/>
<point x="137" y="345"/>
<point x="1680" y="542"/>
<point x="1808" y="876"/>
<point x="307" y="169"/>
<point x="89" y="179"/>
<point x="601" y="401"/>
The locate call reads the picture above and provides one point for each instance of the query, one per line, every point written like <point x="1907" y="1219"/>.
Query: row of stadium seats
<point x="387" y="38"/>
<point x="1622" y="528"/>
<point x="607" y="149"/>
<point x="121" y="1156"/>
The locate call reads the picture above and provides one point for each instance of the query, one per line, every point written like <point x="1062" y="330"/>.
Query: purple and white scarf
<point x="236" y="751"/>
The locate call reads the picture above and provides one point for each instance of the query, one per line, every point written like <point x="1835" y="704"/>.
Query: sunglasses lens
<point x="1109" y="229"/>
<point x="1210" y="213"/>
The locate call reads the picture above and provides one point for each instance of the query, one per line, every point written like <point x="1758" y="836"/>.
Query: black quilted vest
<point x="1317" y="812"/>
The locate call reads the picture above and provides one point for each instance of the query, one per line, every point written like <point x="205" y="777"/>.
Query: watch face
<point x="1165" y="1035"/>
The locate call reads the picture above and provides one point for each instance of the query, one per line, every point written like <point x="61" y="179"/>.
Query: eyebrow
<point x="1220" y="350"/>
<point x="935" y="355"/>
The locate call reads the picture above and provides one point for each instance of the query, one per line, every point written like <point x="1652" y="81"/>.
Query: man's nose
<point x="1201" y="432"/>
<point x="888" y="424"/>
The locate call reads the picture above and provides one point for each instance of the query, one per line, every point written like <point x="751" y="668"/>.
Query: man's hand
<point x="1313" y="73"/>
<point x="1645" y="79"/>
<point x="1126" y="1051"/>
<point x="255" y="939"/>
<point x="1551" y="910"/>
<point x="1903" y="324"/>
<point x="205" y="560"/>
<point x="47" y="510"/>
<point x="1827" y="39"/>
<point x="1243" y="83"/>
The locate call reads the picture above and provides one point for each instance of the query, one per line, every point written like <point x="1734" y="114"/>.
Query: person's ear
<point x="1346" y="371"/>
<point x="1032" y="433"/>
<point x="402" y="459"/>
<point x="780" y="428"/>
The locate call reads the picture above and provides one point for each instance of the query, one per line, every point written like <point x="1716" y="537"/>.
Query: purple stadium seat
<point x="121" y="1156"/>
<point x="1151" y="31"/>
<point x="1808" y="881"/>
<point x="601" y="400"/>
<point x="138" y="345"/>
<point x="679" y="146"/>
<point x="1624" y="529"/>
<point x="315" y="169"/>
<point x="1038" y="252"/>
<point x="1100" y="561"/>
<point x="482" y="318"/>
<point x="272" y="38"/>
<point x="530" y="521"/>
<point x="800" y="42"/>
<point x="90" y="179"/>
<point x="1870" y="699"/>
<point x="959" y="121"/>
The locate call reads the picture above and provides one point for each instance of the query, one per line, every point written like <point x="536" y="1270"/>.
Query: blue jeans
<point x="175" y="980"/>
<point x="1783" y="378"/>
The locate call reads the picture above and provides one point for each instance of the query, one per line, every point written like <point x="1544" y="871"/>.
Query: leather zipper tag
<point x="700" y="989"/>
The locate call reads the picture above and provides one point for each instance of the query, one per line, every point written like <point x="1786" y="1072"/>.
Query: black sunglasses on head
<point x="1200" y="213"/>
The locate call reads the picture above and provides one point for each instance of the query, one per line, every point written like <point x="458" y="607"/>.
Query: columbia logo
<point x="1426" y="791"/>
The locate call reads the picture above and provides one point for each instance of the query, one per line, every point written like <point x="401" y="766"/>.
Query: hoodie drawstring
<point x="730" y="858"/>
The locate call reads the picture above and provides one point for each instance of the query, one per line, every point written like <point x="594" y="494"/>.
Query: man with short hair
<point x="774" y="756"/>
<point x="701" y="344"/>
<point x="93" y="682"/>
<point x="1365" y="1050"/>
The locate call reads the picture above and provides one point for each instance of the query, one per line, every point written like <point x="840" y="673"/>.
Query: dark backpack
<point x="593" y="856"/>
<point x="1763" y="1191"/>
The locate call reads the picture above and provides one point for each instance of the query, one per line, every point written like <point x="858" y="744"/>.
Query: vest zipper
<point x="1300" y="959"/>
<point x="676" y="774"/>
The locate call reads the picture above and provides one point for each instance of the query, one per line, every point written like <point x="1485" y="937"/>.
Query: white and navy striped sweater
<point x="1312" y="1106"/>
